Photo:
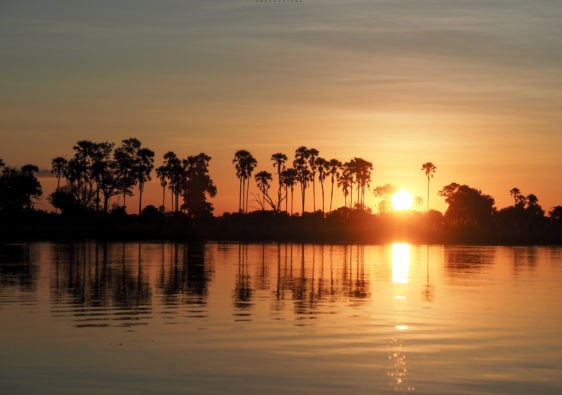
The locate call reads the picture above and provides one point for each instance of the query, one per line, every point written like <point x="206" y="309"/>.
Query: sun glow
<point x="402" y="200"/>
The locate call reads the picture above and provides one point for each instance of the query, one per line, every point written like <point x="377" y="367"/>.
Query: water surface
<point x="146" y="318"/>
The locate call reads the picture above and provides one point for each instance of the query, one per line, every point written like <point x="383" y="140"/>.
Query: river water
<point x="229" y="318"/>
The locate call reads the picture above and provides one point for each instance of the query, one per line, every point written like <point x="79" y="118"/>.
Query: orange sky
<point x="474" y="87"/>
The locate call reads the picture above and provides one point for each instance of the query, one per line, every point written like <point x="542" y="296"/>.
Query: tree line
<point x="307" y="169"/>
<point x="99" y="171"/>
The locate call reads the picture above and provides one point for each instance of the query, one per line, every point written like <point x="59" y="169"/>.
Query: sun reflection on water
<point x="400" y="263"/>
<point x="397" y="371"/>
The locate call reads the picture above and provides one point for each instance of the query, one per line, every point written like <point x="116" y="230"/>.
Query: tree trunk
<point x="240" y="192"/>
<point x="303" y="189"/>
<point x="332" y="194"/>
<point x="246" y="194"/>
<point x="140" y="197"/>
<point x="428" y="193"/>
<point x="322" y="186"/>
<point x="313" y="192"/>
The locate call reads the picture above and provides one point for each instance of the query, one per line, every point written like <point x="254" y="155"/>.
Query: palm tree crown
<point x="429" y="169"/>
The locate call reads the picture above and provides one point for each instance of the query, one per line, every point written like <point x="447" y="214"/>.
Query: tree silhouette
<point x="518" y="198"/>
<point x="535" y="213"/>
<point x="311" y="155"/>
<point x="197" y="185"/>
<point x="289" y="179"/>
<point x="429" y="169"/>
<point x="524" y="221"/>
<point x="135" y="165"/>
<point x="384" y="193"/>
<point x="107" y="174"/>
<point x="469" y="210"/>
<point x="58" y="165"/>
<point x="91" y="174"/>
<point x="245" y="164"/>
<point x="323" y="167"/>
<point x="279" y="160"/>
<point x="303" y="174"/>
<point x="144" y="165"/>
<point x="335" y="167"/>
<point x="175" y="174"/>
<point x="262" y="179"/>
<point x="418" y="201"/>
<point x="161" y="173"/>
<point x="345" y="181"/>
<point x="18" y="188"/>
<point x="362" y="170"/>
<point x="79" y="174"/>
<point x="556" y="216"/>
<point x="125" y="157"/>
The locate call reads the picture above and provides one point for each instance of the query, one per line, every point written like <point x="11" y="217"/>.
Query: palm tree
<point x="519" y="199"/>
<point x="279" y="160"/>
<point x="335" y="166"/>
<point x="323" y="167"/>
<point x="175" y="174"/>
<point x="289" y="177"/>
<point x="303" y="174"/>
<point x="239" y="166"/>
<point x="429" y="169"/>
<point x="312" y="154"/>
<point x="345" y="181"/>
<point x="362" y="171"/>
<point x="262" y="179"/>
<point x="57" y="167"/>
<point x="245" y="164"/>
<point x="144" y="165"/>
<point x="126" y="158"/>
<point x="161" y="173"/>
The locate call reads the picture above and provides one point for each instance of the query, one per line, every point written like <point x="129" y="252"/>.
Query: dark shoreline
<point x="354" y="227"/>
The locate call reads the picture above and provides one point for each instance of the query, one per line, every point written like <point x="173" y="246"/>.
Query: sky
<point x="473" y="86"/>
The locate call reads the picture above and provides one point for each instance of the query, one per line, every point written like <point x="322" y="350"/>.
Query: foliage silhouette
<point x="197" y="185"/>
<point x="96" y="173"/>
<point x="279" y="159"/>
<point x="429" y="169"/>
<point x="245" y="164"/>
<point x="18" y="188"/>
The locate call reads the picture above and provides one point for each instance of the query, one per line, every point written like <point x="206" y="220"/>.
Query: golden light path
<point x="400" y="263"/>
<point x="397" y="370"/>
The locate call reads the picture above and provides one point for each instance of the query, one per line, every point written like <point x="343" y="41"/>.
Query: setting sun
<point x="402" y="200"/>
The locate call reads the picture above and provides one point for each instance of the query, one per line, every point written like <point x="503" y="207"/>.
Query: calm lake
<point x="229" y="318"/>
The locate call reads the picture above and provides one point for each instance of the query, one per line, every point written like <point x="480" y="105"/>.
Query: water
<point x="131" y="318"/>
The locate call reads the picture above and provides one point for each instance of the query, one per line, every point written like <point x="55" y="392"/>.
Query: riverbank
<point x="348" y="226"/>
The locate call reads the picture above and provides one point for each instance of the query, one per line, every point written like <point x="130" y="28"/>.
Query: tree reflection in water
<point x="243" y="289"/>
<point x="18" y="271"/>
<point x="428" y="292"/>
<point x="302" y="277"/>
<point x="108" y="284"/>
<point x="97" y="292"/>
<point x="184" y="282"/>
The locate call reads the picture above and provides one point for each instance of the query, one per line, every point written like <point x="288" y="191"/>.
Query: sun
<point x="402" y="200"/>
